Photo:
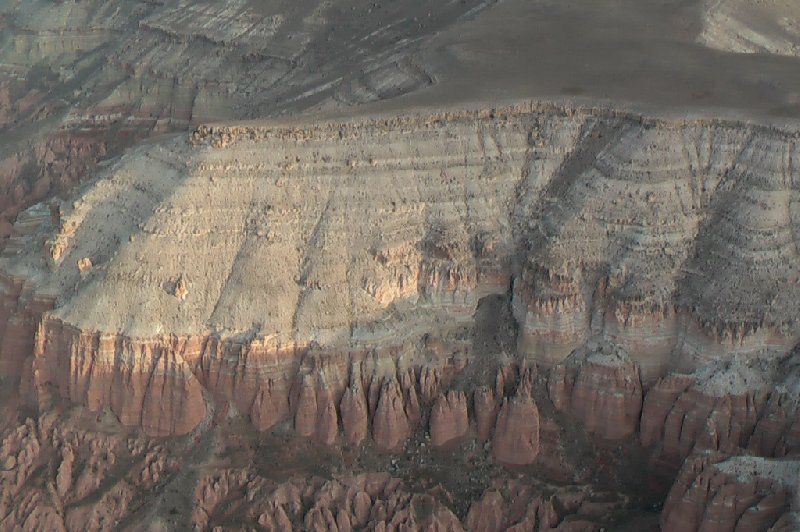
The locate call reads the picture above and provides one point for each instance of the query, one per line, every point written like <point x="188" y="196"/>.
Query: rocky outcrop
<point x="601" y="388"/>
<point x="742" y="404"/>
<point x="149" y="75"/>
<point x="401" y="275"/>
<point x="20" y="315"/>
<point x="516" y="434"/>
<point x="355" y="413"/>
<point x="518" y="506"/>
<point x="146" y="384"/>
<point x="449" y="419"/>
<point x="485" y="408"/>
<point x="369" y="330"/>
<point x="391" y="425"/>
<point x="374" y="501"/>
<point x="740" y="27"/>
<point x="315" y="413"/>
<point x="96" y="476"/>
<point x="322" y="277"/>
<point x="741" y="493"/>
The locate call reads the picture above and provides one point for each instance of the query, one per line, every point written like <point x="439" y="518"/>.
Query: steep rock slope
<point x="331" y="277"/>
<point x="769" y="26"/>
<point x="224" y="262"/>
<point x="741" y="493"/>
<point x="80" y="81"/>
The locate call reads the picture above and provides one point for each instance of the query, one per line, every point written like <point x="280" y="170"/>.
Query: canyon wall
<point x="331" y="278"/>
<point x="82" y="81"/>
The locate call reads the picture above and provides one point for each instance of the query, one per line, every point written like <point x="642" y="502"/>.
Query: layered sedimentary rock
<point x="601" y="388"/>
<point x="82" y="80"/>
<point x="296" y="305"/>
<point x="740" y="493"/>
<point x="335" y="278"/>
<point x="751" y="27"/>
<point x="670" y="250"/>
<point x="741" y="405"/>
<point x="614" y="224"/>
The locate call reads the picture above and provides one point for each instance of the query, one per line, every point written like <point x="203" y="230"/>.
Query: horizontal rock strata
<point x="218" y="271"/>
<point x="741" y="493"/>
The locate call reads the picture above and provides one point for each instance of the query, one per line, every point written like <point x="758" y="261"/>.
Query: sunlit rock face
<point x="330" y="278"/>
<point x="82" y="81"/>
<point x="219" y="263"/>
<point x="442" y="310"/>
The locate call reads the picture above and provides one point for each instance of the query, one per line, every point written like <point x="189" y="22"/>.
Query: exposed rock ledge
<point x="220" y="269"/>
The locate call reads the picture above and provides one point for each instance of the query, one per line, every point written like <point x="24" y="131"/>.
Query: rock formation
<point x="744" y="27"/>
<point x="144" y="68"/>
<point x="741" y="493"/>
<point x="246" y="353"/>
<point x="516" y="434"/>
<point x="357" y="334"/>
<point x="410" y="316"/>
<point x="602" y="389"/>
<point x="517" y="506"/>
<point x="741" y="405"/>
<point x="449" y="418"/>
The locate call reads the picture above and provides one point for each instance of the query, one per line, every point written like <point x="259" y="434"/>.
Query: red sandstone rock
<point x="602" y="389"/>
<point x="354" y="413"/>
<point x="390" y="426"/>
<point x="449" y="418"/>
<point x="516" y="435"/>
<point x="485" y="408"/>
<point x="19" y="321"/>
<point x="315" y="413"/>
<point x="680" y="417"/>
<point x="155" y="390"/>
<point x="704" y="497"/>
<point x="777" y="432"/>
<point x="657" y="405"/>
<point x="408" y="382"/>
<point x="516" y="505"/>
<point x="327" y="417"/>
<point x="487" y="514"/>
<point x="430" y="380"/>
<point x="305" y="416"/>
<point x="270" y="406"/>
<point x="64" y="475"/>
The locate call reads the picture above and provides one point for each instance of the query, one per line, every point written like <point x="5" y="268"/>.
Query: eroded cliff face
<point x="551" y="286"/>
<point x="81" y="81"/>
<point x="741" y="493"/>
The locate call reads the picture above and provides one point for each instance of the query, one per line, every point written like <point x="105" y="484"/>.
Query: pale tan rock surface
<point x="413" y="261"/>
<point x="767" y="26"/>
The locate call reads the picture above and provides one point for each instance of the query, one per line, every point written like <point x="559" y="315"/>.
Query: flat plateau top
<point x="668" y="57"/>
